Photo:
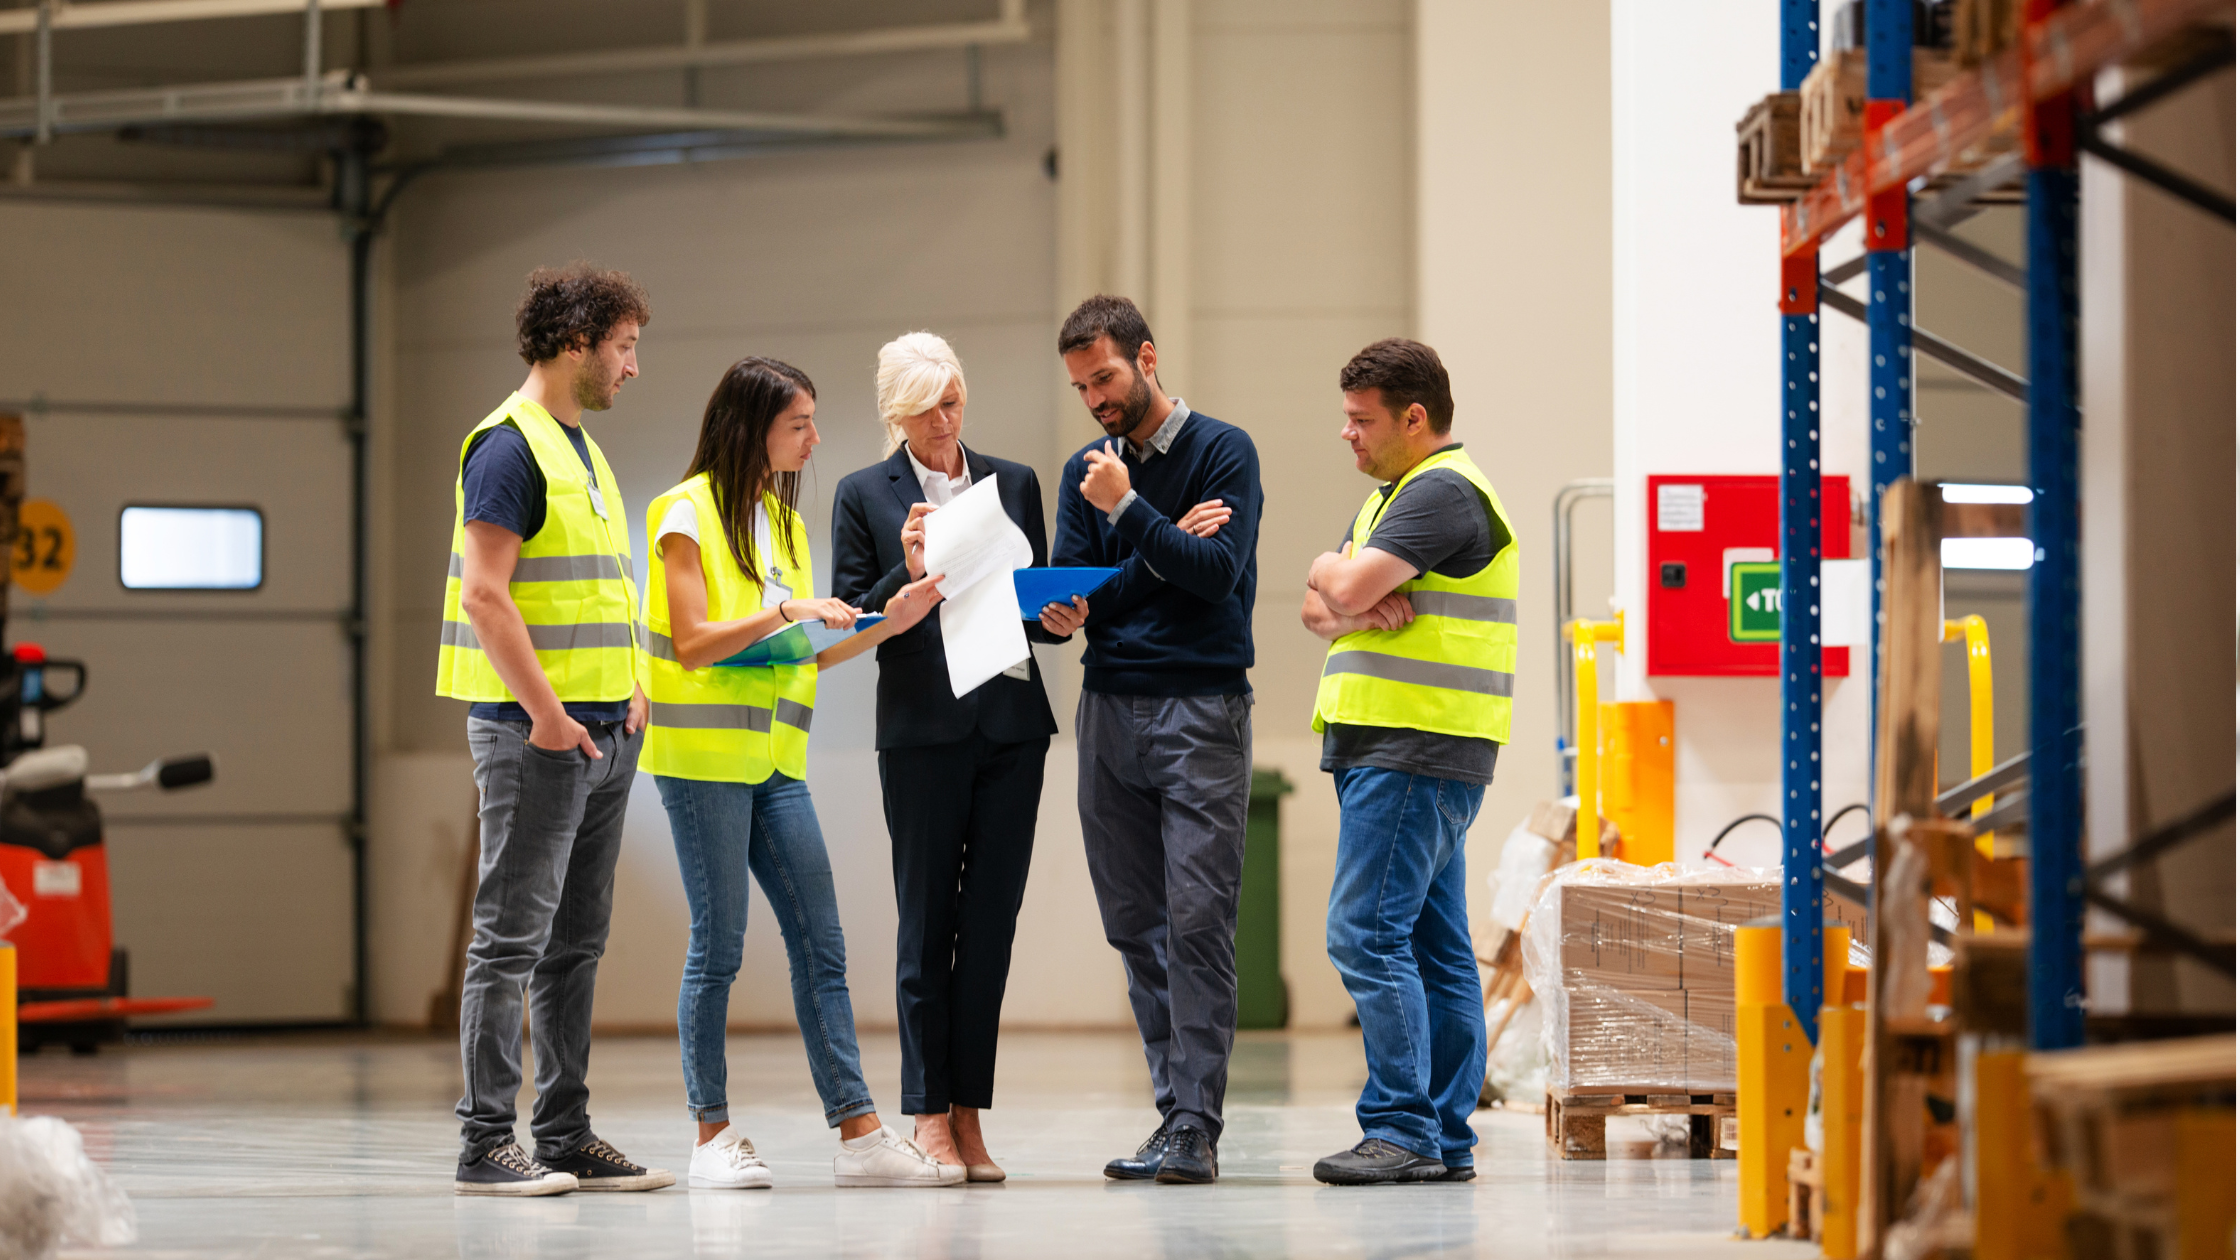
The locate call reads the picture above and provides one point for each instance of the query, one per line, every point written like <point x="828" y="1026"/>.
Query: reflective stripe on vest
<point x="1451" y="670"/>
<point x="573" y="583"/>
<point x="719" y="722"/>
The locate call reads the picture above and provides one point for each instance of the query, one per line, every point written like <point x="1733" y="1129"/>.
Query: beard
<point x="594" y="388"/>
<point x="1133" y="408"/>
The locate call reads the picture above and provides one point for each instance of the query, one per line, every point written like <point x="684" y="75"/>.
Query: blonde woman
<point x="961" y="777"/>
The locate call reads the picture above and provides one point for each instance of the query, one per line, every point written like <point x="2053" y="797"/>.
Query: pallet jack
<point x="74" y="984"/>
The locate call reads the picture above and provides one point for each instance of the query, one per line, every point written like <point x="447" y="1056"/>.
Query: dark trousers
<point x="551" y="832"/>
<point x="961" y="819"/>
<point x="1165" y="782"/>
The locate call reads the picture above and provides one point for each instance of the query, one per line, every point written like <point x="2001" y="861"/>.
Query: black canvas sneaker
<point x="508" y="1170"/>
<point x="597" y="1165"/>
<point x="1376" y="1162"/>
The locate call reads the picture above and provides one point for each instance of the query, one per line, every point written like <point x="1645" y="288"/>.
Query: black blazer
<point x="916" y="707"/>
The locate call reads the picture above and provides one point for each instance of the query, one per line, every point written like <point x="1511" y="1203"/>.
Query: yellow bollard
<point x="1773" y="1062"/>
<point x="1976" y="633"/>
<point x="1843" y="1086"/>
<point x="1585" y="636"/>
<point x="2021" y="1209"/>
<point x="8" y="1027"/>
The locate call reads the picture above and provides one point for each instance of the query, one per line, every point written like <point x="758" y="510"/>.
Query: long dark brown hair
<point x="734" y="451"/>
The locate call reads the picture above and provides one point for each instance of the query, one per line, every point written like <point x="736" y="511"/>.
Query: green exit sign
<point x="1754" y="602"/>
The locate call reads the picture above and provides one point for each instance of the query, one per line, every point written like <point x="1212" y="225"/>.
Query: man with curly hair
<point x="541" y="636"/>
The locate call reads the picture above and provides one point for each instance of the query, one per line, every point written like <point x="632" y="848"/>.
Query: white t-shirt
<point x="684" y="518"/>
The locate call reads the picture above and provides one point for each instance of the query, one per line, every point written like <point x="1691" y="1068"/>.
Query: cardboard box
<point x="1711" y="912"/>
<point x="1621" y="937"/>
<point x="1711" y="1041"/>
<point x="1625" y="1037"/>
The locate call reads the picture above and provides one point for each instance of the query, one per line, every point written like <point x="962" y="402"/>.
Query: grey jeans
<point x="551" y="831"/>
<point x="1163" y="792"/>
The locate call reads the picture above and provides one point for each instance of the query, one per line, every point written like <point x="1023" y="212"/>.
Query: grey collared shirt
<point x="1161" y="438"/>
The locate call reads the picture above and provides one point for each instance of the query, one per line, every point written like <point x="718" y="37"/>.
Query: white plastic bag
<point x="51" y="1193"/>
<point x="1517" y="1062"/>
<point x="1525" y="858"/>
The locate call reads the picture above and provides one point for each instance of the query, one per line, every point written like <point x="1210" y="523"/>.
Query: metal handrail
<point x="1567" y="499"/>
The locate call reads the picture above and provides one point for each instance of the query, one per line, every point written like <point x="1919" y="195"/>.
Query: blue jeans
<point x="723" y="831"/>
<point x="1399" y="932"/>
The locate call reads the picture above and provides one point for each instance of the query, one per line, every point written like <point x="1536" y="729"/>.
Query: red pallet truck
<point x="73" y="984"/>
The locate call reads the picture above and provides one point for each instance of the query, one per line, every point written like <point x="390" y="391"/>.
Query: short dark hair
<point x="563" y="308"/>
<point x="1404" y="372"/>
<point x="1105" y="316"/>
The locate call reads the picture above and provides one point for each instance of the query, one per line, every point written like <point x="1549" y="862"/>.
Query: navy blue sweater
<point x="1178" y="621"/>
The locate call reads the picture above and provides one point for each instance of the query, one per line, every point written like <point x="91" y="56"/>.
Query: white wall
<point x="1697" y="378"/>
<point x="1513" y="266"/>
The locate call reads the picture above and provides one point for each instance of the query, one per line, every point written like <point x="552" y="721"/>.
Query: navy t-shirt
<point x="1439" y="524"/>
<point x="505" y="487"/>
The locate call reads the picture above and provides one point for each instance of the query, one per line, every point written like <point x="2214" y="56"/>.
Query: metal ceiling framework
<point x="338" y="113"/>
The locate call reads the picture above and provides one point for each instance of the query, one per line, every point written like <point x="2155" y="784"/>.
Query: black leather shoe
<point x="1376" y="1162"/>
<point x="1191" y="1159"/>
<point x="1463" y="1173"/>
<point x="1144" y="1164"/>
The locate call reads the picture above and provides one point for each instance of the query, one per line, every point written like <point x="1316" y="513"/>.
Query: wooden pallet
<point x="1769" y="153"/>
<point x="1808" y="1193"/>
<point x="1574" y="1119"/>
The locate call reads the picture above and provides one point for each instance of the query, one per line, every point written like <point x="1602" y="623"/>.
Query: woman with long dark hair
<point x="728" y="746"/>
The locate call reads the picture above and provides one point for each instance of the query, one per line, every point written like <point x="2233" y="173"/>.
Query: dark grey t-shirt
<point x="1440" y="525"/>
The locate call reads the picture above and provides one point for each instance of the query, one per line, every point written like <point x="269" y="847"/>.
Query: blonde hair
<point x="914" y="371"/>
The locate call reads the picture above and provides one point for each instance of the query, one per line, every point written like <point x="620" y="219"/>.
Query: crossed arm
<point x="1348" y="592"/>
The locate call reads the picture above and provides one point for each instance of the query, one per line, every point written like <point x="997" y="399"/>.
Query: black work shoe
<point x="1191" y="1160"/>
<point x="1376" y="1162"/>
<point x="1463" y="1172"/>
<point x="599" y="1166"/>
<point x="508" y="1170"/>
<point x="1144" y="1164"/>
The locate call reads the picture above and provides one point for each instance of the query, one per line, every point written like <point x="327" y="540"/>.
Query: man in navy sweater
<point x="1165" y="724"/>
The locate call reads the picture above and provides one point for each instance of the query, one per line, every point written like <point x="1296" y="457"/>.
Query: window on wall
<point x="166" y="548"/>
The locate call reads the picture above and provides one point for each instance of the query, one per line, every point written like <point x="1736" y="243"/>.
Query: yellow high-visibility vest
<point x="573" y="582"/>
<point x="729" y="724"/>
<point x="1452" y="670"/>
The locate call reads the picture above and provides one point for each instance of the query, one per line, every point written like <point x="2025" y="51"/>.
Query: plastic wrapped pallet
<point x="1634" y="967"/>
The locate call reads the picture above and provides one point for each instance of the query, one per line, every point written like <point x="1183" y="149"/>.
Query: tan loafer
<point x="983" y="1172"/>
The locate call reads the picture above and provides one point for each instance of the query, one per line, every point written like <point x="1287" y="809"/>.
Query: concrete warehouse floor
<point x="343" y="1146"/>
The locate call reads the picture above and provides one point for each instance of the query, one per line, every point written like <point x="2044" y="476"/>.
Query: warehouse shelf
<point x="2017" y="117"/>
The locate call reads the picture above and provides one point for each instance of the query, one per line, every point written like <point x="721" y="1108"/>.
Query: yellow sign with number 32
<point x="46" y="547"/>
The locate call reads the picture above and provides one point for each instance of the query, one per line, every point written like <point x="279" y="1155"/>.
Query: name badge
<point x="598" y="501"/>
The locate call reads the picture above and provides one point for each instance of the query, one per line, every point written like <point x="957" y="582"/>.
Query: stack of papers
<point x="973" y="544"/>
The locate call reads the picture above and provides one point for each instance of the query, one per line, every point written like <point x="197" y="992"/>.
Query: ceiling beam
<point x="71" y="17"/>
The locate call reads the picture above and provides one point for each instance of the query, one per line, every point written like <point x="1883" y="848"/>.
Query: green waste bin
<point x="1263" y="1000"/>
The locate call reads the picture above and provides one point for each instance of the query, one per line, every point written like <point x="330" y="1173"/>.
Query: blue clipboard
<point x="1037" y="587"/>
<point x="798" y="643"/>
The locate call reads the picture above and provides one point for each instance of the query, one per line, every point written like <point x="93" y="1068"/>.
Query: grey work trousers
<point x="1164" y="786"/>
<point x="551" y="832"/>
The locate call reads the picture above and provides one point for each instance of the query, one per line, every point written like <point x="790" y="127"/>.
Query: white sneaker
<point x="893" y="1160"/>
<point x="727" y="1162"/>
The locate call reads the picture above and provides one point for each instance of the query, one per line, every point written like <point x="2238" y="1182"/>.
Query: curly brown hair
<point x="576" y="306"/>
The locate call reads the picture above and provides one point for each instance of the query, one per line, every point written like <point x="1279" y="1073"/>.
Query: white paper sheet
<point x="975" y="547"/>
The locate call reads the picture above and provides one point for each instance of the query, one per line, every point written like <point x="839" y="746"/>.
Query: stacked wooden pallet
<point x="2144" y="1133"/>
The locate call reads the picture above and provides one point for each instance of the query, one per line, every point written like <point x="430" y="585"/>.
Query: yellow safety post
<point x="1635" y="774"/>
<point x="2021" y="1209"/>
<point x="8" y="1027"/>
<point x="1773" y="1062"/>
<point x="1976" y="634"/>
<point x="1585" y="636"/>
<point x="1843" y="1088"/>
